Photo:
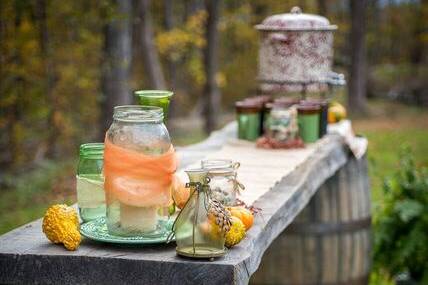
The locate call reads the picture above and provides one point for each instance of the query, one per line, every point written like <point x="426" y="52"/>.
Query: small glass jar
<point x="196" y="232"/>
<point x="139" y="164"/>
<point x="158" y="98"/>
<point x="309" y="122"/>
<point x="282" y="123"/>
<point x="248" y="117"/>
<point x="224" y="184"/>
<point x="90" y="182"/>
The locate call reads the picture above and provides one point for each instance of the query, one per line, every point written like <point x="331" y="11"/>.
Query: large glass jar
<point x="90" y="182"/>
<point x="139" y="164"/>
<point x="223" y="182"/>
<point x="196" y="232"/>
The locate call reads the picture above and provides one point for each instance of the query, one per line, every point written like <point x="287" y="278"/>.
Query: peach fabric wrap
<point x="137" y="179"/>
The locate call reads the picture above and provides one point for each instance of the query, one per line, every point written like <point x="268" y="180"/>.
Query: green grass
<point x="26" y="196"/>
<point x="389" y="127"/>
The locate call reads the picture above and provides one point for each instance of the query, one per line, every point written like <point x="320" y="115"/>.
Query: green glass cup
<point x="90" y="182"/>
<point x="248" y="117"/>
<point x="309" y="121"/>
<point x="158" y="98"/>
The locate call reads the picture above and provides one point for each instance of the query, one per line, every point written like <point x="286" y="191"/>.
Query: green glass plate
<point x="97" y="230"/>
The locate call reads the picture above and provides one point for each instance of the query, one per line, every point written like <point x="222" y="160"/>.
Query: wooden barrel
<point x="330" y="241"/>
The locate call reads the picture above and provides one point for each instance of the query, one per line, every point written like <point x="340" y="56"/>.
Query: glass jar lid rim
<point x="214" y="163"/>
<point x="196" y="170"/>
<point x="138" y="113"/>
<point x="154" y="93"/>
<point x="221" y="171"/>
<point x="92" y="149"/>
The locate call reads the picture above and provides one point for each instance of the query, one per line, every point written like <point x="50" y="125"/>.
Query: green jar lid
<point x="158" y="94"/>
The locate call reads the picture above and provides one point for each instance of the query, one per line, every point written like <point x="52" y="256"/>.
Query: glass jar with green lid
<point x="199" y="230"/>
<point x="248" y="117"/>
<point x="309" y="122"/>
<point x="158" y="98"/>
<point x="90" y="182"/>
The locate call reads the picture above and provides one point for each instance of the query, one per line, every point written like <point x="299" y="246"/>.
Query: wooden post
<point x="152" y="64"/>
<point x="117" y="60"/>
<point x="357" y="73"/>
<point x="211" y="92"/>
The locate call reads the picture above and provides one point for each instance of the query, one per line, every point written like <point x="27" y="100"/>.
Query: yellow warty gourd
<point x="236" y="232"/>
<point x="61" y="225"/>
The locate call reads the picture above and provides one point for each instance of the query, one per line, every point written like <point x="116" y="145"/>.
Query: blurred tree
<point x="211" y="94"/>
<point x="49" y="72"/>
<point x="172" y="67"/>
<point x="169" y="25"/>
<point x="322" y="7"/>
<point x="357" y="73"/>
<point x="117" y="60"/>
<point x="51" y="52"/>
<point x="152" y="65"/>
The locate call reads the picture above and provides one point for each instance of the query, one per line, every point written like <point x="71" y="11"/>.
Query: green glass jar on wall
<point x="90" y="182"/>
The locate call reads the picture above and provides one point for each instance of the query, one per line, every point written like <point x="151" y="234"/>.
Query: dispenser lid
<point x="296" y="21"/>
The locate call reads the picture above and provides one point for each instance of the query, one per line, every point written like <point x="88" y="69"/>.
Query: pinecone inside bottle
<point x="221" y="215"/>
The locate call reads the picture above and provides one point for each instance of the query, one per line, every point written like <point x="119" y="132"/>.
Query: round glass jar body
<point x="282" y="123"/>
<point x="139" y="167"/>
<point x="223" y="185"/>
<point x="90" y="182"/>
<point x="223" y="182"/>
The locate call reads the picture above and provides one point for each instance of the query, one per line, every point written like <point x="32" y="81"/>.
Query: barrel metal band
<point x="328" y="228"/>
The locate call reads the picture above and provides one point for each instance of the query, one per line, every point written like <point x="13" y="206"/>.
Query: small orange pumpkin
<point x="244" y="215"/>
<point x="180" y="194"/>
